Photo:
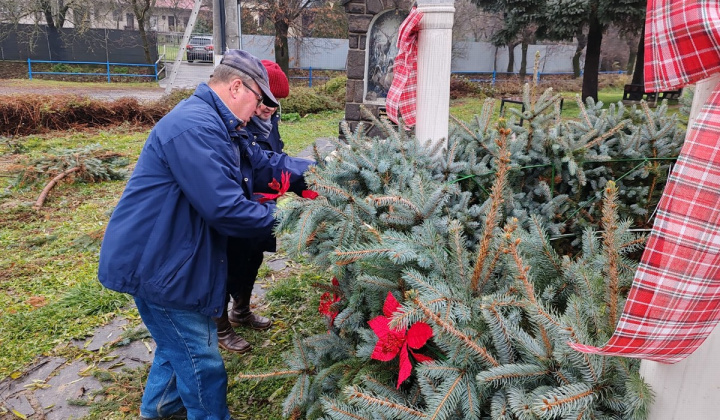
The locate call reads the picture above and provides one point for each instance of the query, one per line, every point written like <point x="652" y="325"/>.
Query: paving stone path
<point x="43" y="390"/>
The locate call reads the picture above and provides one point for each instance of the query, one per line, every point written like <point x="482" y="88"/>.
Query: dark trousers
<point x="245" y="256"/>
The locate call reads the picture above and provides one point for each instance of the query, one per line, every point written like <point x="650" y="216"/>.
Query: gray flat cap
<point x="253" y="67"/>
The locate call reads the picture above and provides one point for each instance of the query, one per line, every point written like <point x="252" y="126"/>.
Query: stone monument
<point x="372" y="31"/>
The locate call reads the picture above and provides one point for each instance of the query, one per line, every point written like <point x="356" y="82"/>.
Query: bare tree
<point x="142" y="10"/>
<point x="284" y="14"/>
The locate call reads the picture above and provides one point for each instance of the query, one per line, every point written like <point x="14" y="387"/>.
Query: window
<point x="130" y="21"/>
<point x="171" y="23"/>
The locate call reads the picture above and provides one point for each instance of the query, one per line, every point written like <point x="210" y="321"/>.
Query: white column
<point x="689" y="389"/>
<point x="434" y="55"/>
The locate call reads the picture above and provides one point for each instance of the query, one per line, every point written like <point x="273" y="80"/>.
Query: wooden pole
<point x="434" y="56"/>
<point x="689" y="389"/>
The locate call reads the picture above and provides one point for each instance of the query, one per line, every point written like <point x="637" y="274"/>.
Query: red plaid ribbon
<point x="682" y="43"/>
<point x="674" y="302"/>
<point x="402" y="96"/>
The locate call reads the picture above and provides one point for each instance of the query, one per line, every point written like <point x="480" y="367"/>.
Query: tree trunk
<point x="141" y="8"/>
<point x="639" y="73"/>
<point x="581" y="44"/>
<point x="592" y="58"/>
<point x="146" y="43"/>
<point x="523" y="59"/>
<point x="282" y="50"/>
<point x="511" y="57"/>
<point x="47" y="11"/>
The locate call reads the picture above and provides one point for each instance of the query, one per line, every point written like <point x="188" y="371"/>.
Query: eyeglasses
<point x="258" y="96"/>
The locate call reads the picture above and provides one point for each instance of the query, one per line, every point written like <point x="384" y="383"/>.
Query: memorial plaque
<point x="381" y="50"/>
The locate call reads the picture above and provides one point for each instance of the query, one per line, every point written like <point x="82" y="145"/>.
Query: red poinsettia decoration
<point x="392" y="342"/>
<point x="281" y="188"/>
<point x="326" y="302"/>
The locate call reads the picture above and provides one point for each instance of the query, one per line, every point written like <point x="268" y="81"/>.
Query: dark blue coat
<point x="190" y="190"/>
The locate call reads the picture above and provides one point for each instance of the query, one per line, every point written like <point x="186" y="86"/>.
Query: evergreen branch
<point x="269" y="375"/>
<point x="357" y="255"/>
<point x="355" y="394"/>
<point x="481" y="351"/>
<point x="651" y="190"/>
<point x="585" y="356"/>
<point x="547" y="249"/>
<point x="486" y="116"/>
<point x="503" y="331"/>
<point x="607" y="135"/>
<point x="393" y="199"/>
<point x="438" y="410"/>
<point x="330" y="405"/>
<point x="509" y="372"/>
<point x="609" y="222"/>
<point x="571" y="393"/>
<point x="496" y="199"/>
<point x="490" y="270"/>
<point x="583" y="110"/>
<point x="304" y="222"/>
<point x="525" y="281"/>
<point x="458" y="248"/>
<point x="462" y="124"/>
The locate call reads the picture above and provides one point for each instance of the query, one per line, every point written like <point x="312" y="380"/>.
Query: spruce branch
<point x="609" y="222"/>
<point x="507" y="373"/>
<point x="458" y="249"/>
<point x="269" y="375"/>
<point x="349" y="257"/>
<point x="562" y="400"/>
<point x="610" y="133"/>
<point x="446" y="399"/>
<point x="398" y="201"/>
<point x="450" y="329"/>
<point x="496" y="200"/>
<point x="355" y="394"/>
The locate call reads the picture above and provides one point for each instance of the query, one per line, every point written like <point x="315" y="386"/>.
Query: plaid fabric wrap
<point x="682" y="43"/>
<point x="402" y="96"/>
<point x="674" y="302"/>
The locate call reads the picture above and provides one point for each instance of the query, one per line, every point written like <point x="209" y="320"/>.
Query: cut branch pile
<point x="89" y="164"/>
<point x="32" y="114"/>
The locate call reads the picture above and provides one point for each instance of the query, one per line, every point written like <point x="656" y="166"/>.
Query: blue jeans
<point x="187" y="369"/>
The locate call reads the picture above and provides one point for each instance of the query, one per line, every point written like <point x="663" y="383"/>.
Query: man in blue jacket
<point x="165" y="243"/>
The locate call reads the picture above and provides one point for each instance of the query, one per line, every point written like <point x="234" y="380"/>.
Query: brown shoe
<point x="249" y="319"/>
<point x="228" y="339"/>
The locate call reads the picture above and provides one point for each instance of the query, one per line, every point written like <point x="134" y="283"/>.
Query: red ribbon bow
<point x="280" y="187"/>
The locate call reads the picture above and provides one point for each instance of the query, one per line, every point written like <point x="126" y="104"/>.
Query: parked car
<point x="200" y="48"/>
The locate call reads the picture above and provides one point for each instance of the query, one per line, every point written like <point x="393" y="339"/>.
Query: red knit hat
<point x="279" y="85"/>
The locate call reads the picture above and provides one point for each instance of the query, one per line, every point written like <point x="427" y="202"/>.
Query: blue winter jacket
<point x="190" y="190"/>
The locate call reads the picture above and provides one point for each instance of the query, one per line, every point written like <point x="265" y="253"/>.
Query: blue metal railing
<point x="107" y="66"/>
<point x="309" y="77"/>
<point x="493" y="75"/>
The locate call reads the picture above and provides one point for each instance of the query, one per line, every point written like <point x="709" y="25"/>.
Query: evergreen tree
<point x="451" y="299"/>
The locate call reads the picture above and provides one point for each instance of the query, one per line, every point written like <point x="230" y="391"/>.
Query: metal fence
<point x="37" y="42"/>
<point x="111" y="69"/>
